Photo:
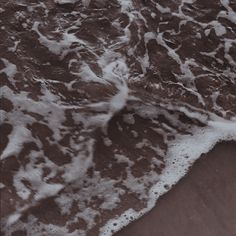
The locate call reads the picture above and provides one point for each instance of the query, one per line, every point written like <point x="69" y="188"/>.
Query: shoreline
<point x="208" y="209"/>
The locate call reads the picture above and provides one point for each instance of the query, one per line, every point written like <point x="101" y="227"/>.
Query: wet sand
<point x="94" y="94"/>
<point x="203" y="203"/>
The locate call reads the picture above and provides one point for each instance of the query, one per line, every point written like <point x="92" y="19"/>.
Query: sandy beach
<point x="104" y="107"/>
<point x="202" y="203"/>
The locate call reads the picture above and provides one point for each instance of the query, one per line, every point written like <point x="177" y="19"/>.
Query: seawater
<point x="106" y="104"/>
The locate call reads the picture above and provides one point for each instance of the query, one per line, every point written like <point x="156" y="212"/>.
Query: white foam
<point x="13" y="218"/>
<point x="88" y="75"/>
<point x="61" y="47"/>
<point x="115" y="73"/>
<point x="65" y="1"/>
<point x="227" y="46"/>
<point x="107" y="142"/>
<point x="10" y="68"/>
<point x="2" y="185"/>
<point x="162" y="9"/>
<point x="80" y="163"/>
<point x="21" y="189"/>
<point x="181" y="155"/>
<point x="65" y="203"/>
<point x="17" y="138"/>
<point x="13" y="48"/>
<point x="123" y="159"/>
<point x="230" y="14"/>
<point x="126" y="5"/>
<point x="219" y="28"/>
<point x="48" y="190"/>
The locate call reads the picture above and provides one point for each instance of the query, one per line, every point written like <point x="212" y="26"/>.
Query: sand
<point x="203" y="203"/>
<point x="95" y="95"/>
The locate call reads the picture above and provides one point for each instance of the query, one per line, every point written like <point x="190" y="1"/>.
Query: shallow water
<point x="106" y="104"/>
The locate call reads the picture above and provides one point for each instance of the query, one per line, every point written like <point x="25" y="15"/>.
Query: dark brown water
<point x="106" y="104"/>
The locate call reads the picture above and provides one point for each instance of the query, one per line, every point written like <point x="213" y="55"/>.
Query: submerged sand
<point x="105" y="104"/>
